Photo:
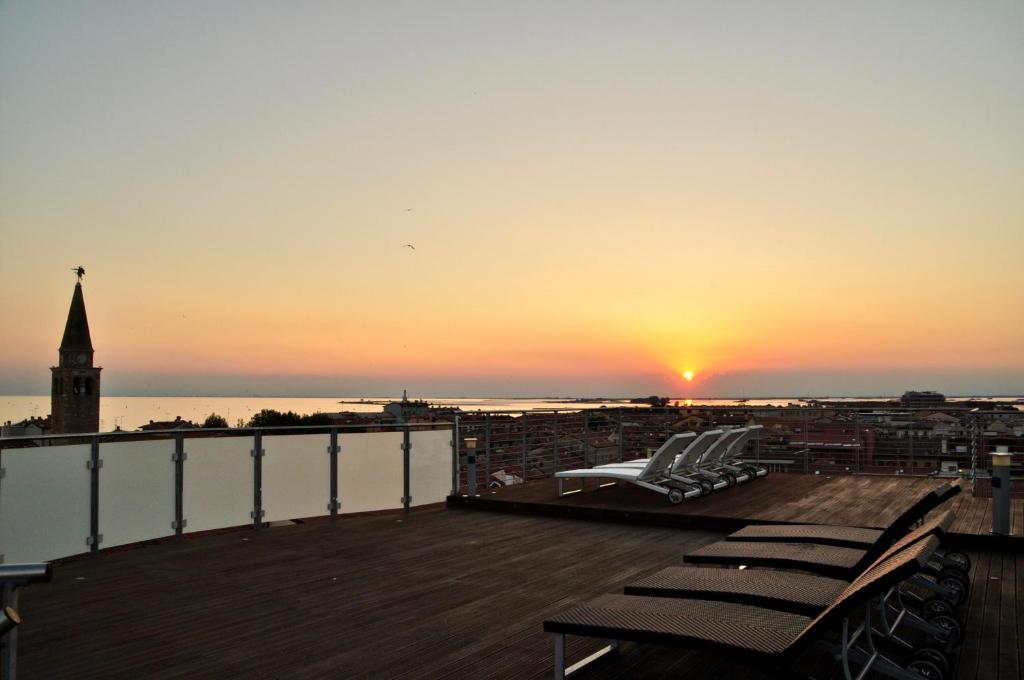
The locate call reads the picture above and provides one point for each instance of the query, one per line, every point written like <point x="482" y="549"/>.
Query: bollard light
<point x="471" y="465"/>
<point x="1001" y="493"/>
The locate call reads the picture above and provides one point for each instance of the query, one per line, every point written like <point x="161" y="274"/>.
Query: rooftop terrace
<point x="449" y="593"/>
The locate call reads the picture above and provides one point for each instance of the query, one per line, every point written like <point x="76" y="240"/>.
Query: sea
<point x="130" y="413"/>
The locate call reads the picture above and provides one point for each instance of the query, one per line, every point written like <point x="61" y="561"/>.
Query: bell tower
<point x="75" y="390"/>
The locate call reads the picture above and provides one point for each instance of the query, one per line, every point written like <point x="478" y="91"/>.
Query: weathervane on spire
<point x="79" y="271"/>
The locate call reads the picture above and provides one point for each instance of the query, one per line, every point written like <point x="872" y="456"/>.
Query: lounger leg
<point x="559" y="656"/>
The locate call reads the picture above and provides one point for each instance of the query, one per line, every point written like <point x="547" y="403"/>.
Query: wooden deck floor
<point x="439" y="594"/>
<point x="860" y="500"/>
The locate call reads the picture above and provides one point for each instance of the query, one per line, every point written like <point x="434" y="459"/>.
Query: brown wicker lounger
<point x="824" y="560"/>
<point x="849" y="537"/>
<point x="787" y="591"/>
<point x="763" y="638"/>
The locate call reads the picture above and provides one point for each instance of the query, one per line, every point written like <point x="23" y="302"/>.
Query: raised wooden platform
<point x="859" y="500"/>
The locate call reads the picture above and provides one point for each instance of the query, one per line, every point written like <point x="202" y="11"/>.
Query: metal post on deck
<point x="620" y="435"/>
<point x="487" y="449"/>
<point x="586" y="439"/>
<point x="859" y="450"/>
<point x="526" y="475"/>
<point x="455" y="457"/>
<point x="178" y="458"/>
<point x="1001" y="493"/>
<point x="406" y="449"/>
<point x="556" y="441"/>
<point x="94" y="465"/>
<point x="9" y="642"/>
<point x="471" y="466"/>
<point x="257" y="454"/>
<point x="332" y="450"/>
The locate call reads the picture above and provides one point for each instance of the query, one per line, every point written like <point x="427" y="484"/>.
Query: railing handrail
<point x="240" y="431"/>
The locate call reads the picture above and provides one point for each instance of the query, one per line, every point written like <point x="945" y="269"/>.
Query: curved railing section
<point x="65" y="495"/>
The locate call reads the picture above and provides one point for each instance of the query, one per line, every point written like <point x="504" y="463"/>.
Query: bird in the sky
<point x="409" y="245"/>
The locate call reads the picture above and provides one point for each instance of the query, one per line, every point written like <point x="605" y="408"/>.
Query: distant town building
<point x="75" y="390"/>
<point x="928" y="398"/>
<point x="30" y="427"/>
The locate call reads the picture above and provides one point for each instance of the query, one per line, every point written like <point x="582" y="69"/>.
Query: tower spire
<point x="76" y="330"/>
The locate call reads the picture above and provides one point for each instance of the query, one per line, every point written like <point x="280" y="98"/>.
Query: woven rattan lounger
<point x="845" y="536"/>
<point x="765" y="639"/>
<point x="806" y="594"/>
<point x="825" y="560"/>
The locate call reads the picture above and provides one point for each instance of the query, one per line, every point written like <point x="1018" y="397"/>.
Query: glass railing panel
<point x="370" y="471"/>
<point x="44" y="503"/>
<point x="136" y="491"/>
<point x="430" y="466"/>
<point x="296" y="476"/>
<point x="218" y="490"/>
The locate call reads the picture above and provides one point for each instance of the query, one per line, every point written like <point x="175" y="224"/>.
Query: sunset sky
<point x="787" y="198"/>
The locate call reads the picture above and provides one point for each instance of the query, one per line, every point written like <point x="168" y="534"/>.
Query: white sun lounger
<point x="728" y="459"/>
<point x="653" y="475"/>
<point x="673" y="446"/>
<point x="707" y="469"/>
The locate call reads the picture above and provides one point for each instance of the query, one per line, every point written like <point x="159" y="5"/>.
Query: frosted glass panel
<point x="430" y="464"/>
<point x="136" y="491"/>
<point x="218" y="483"/>
<point x="370" y="471"/>
<point x="44" y="503"/>
<point x="296" y="476"/>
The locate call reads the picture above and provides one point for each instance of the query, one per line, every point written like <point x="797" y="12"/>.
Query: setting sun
<point x="688" y="375"/>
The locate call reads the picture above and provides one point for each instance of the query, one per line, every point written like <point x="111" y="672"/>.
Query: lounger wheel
<point x="934" y="655"/>
<point x="676" y="496"/>
<point x="956" y="592"/>
<point x="957" y="559"/>
<point x="706" y="487"/>
<point x="751" y="472"/>
<point x="926" y="669"/>
<point x="730" y="479"/>
<point x="957" y="573"/>
<point x="951" y="634"/>
<point x="934" y="606"/>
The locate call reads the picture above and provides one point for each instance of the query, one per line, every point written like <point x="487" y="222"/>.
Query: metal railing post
<point x="9" y="642"/>
<point x="859" y="450"/>
<point x="556" y="442"/>
<point x="455" y="457"/>
<point x="526" y="474"/>
<point x="406" y="449"/>
<point x="487" y="449"/>
<point x="332" y="449"/>
<point x="257" y="479"/>
<point x="95" y="537"/>
<point x="620" y="436"/>
<point x="586" y="439"/>
<point x="178" y="458"/>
